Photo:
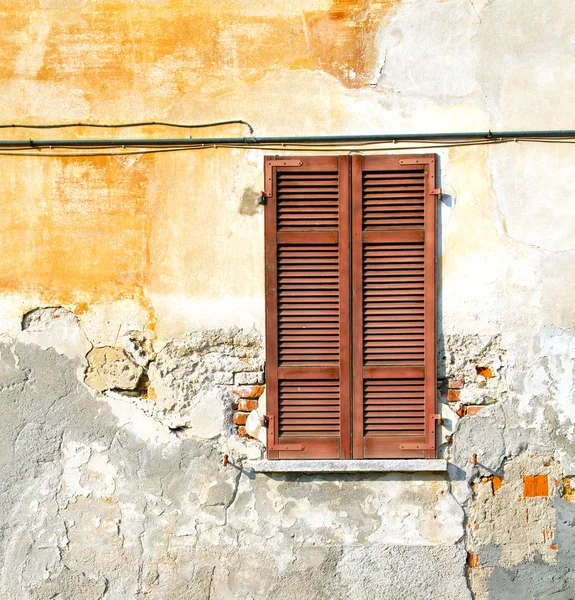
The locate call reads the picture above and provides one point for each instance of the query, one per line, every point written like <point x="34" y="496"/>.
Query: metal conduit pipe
<point x="310" y="139"/>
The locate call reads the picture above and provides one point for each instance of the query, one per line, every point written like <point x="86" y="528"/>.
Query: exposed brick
<point x="455" y="384"/>
<point x="239" y="418"/>
<point x="461" y="411"/>
<point x="497" y="482"/>
<point x="249" y="391"/>
<point x="535" y="486"/>
<point x="242" y="432"/>
<point x="473" y="560"/>
<point x="453" y="395"/>
<point x="473" y="410"/>
<point x="248" y="405"/>
<point x="234" y="406"/>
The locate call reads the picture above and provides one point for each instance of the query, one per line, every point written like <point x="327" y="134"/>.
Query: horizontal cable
<point x="125" y="125"/>
<point x="120" y="148"/>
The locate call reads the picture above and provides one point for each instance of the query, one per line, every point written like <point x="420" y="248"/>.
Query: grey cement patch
<point x="248" y="204"/>
<point x="116" y="507"/>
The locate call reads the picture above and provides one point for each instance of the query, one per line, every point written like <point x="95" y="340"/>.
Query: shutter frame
<point x="393" y="221"/>
<point x="412" y="225"/>
<point x="281" y="378"/>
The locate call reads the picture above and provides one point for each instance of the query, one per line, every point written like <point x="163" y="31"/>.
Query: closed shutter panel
<point x="393" y="262"/>
<point x="307" y="318"/>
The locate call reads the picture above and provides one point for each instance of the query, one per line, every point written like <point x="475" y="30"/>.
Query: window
<point x="350" y="306"/>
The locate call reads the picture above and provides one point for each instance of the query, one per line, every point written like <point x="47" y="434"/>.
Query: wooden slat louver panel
<point x="394" y="405"/>
<point x="308" y="304"/>
<point x="393" y="303"/>
<point x="307" y="200"/>
<point x="308" y="407"/>
<point x="307" y="272"/>
<point x="393" y="199"/>
<point x="393" y="240"/>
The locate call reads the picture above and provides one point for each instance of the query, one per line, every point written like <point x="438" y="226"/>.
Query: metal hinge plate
<point x="270" y="419"/>
<point x="416" y="161"/>
<point x="285" y="163"/>
<point x="430" y="445"/>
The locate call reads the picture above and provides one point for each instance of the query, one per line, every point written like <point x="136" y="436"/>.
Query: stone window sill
<point x="348" y="466"/>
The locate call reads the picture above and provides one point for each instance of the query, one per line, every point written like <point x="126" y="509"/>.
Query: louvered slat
<point x="393" y="199"/>
<point x="394" y="407"/>
<point x="307" y="200"/>
<point x="306" y="408"/>
<point x="302" y="319"/>
<point x="393" y="303"/>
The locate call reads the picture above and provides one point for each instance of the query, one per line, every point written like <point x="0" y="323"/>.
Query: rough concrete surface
<point x="112" y="481"/>
<point x="94" y="509"/>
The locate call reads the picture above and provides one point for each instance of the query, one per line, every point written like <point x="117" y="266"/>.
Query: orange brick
<point x="453" y="395"/>
<point x="234" y="406"/>
<point x="484" y="372"/>
<point x="249" y="391"/>
<point x="455" y="384"/>
<point x="242" y="431"/>
<point x="248" y="405"/>
<point x="535" y="486"/>
<point x="473" y="560"/>
<point x="473" y="410"/>
<point x="497" y="482"/>
<point x="239" y="418"/>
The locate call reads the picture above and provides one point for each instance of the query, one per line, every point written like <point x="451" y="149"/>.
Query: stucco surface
<point x="132" y="302"/>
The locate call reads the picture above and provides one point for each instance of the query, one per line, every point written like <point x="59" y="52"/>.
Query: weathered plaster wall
<point x="118" y="399"/>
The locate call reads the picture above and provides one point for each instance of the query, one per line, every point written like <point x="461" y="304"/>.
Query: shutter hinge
<point x="269" y="421"/>
<point x="284" y="163"/>
<point x="436" y="192"/>
<point x="262" y="198"/>
<point x="416" y="161"/>
<point x="431" y="444"/>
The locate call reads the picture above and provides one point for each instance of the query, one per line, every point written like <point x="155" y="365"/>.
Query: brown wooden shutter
<point x="393" y="266"/>
<point x="307" y="318"/>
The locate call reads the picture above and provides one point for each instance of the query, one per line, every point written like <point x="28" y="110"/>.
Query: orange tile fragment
<point x="497" y="482"/>
<point x="535" y="486"/>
